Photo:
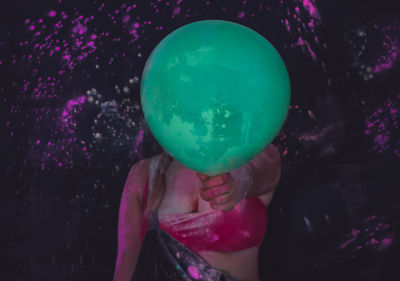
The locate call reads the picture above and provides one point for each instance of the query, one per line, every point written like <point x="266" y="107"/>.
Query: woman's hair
<point x="157" y="168"/>
<point x="150" y="145"/>
<point x="159" y="161"/>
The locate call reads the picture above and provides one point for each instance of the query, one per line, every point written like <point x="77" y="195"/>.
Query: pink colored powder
<point x="193" y="271"/>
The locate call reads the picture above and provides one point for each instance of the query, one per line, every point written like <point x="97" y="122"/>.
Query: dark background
<point x="72" y="126"/>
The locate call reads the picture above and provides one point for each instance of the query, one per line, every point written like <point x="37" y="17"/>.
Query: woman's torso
<point x="182" y="185"/>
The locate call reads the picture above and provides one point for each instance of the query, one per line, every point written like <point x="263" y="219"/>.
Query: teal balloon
<point x="214" y="94"/>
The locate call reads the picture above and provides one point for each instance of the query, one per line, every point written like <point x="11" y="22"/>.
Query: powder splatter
<point x="194" y="272"/>
<point x="382" y="126"/>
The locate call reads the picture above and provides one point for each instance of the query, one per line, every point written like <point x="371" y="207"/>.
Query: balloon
<point x="214" y="94"/>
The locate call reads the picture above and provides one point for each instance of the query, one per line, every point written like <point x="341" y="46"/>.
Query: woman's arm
<point x="259" y="177"/>
<point x="266" y="172"/>
<point x="129" y="222"/>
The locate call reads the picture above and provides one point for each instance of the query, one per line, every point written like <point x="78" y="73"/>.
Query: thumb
<point x="203" y="195"/>
<point x="202" y="176"/>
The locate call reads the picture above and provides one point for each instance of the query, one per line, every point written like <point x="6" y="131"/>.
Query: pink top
<point x="241" y="228"/>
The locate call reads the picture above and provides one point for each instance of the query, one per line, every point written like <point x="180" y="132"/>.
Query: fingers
<point x="219" y="191"/>
<point x="226" y="207"/>
<point x="222" y="199"/>
<point x="216" y="180"/>
<point x="209" y="193"/>
<point x="224" y="202"/>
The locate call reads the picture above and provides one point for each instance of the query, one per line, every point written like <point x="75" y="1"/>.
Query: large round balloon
<point x="214" y="94"/>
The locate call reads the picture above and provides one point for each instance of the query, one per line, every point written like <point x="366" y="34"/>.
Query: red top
<point x="241" y="228"/>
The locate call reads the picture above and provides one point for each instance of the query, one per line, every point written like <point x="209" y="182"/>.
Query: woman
<point x="176" y="224"/>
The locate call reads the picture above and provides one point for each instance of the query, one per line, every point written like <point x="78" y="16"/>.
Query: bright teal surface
<point x="214" y="94"/>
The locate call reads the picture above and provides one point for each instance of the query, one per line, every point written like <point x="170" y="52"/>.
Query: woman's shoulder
<point x="137" y="177"/>
<point x="139" y="170"/>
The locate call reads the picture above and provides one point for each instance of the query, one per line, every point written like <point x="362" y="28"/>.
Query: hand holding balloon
<point x="220" y="190"/>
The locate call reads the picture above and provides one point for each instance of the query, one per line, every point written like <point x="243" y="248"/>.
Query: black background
<point x="335" y="215"/>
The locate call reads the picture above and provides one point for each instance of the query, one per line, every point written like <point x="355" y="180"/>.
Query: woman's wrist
<point x="243" y="178"/>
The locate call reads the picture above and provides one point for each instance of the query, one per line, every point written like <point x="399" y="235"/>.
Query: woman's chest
<point x="181" y="192"/>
